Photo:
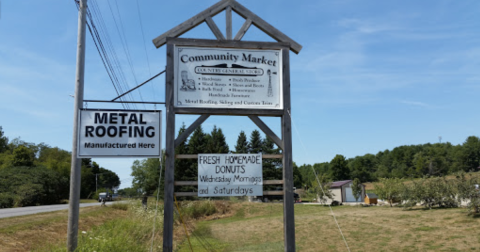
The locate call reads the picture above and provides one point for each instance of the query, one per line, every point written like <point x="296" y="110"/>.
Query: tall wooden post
<point x="170" y="155"/>
<point x="288" y="200"/>
<point x="76" y="163"/>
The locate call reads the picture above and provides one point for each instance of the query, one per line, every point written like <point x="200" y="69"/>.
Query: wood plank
<point x="265" y="27"/>
<point x="228" y="43"/>
<point x="218" y="34"/>
<point x="273" y="182"/>
<point x="228" y="18"/>
<point x="243" y="29"/>
<point x="190" y="129"/>
<point x="227" y="111"/>
<point x="186" y="183"/>
<point x="186" y="194"/>
<point x="186" y="156"/>
<point x="272" y="192"/>
<point x="288" y="201"/>
<point x="191" y="23"/>
<point x="195" y="156"/>
<point x="266" y="130"/>
<point x="170" y="154"/>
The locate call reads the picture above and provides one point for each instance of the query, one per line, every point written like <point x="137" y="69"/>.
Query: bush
<point x="30" y="186"/>
<point x="197" y="209"/>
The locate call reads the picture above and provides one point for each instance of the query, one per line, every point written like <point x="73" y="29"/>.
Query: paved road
<point x="19" y="211"/>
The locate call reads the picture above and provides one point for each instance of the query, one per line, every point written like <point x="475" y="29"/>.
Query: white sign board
<point x="222" y="175"/>
<point x="121" y="133"/>
<point x="228" y="78"/>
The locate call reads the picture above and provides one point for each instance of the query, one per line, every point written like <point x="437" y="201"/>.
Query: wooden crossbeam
<point x="228" y="17"/>
<point x="243" y="29"/>
<point x="218" y="34"/>
<point x="195" y="156"/>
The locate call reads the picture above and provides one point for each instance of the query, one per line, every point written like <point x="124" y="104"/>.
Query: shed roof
<point x="372" y="196"/>
<point x="339" y="183"/>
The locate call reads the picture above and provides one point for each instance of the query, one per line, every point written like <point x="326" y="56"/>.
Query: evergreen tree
<point x="271" y="167"/>
<point x="196" y="145"/>
<point x="256" y="143"/>
<point x="297" y="176"/>
<point x="242" y="143"/>
<point x="216" y="142"/>
<point x="182" y="165"/>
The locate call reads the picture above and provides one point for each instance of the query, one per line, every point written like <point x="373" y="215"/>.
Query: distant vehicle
<point x="104" y="195"/>
<point x="115" y="196"/>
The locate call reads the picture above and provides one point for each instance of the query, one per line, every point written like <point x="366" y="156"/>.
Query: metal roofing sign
<point x="227" y="78"/>
<point x="222" y="175"/>
<point x="124" y="133"/>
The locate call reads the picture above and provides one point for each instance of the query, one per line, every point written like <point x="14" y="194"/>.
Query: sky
<point x="372" y="75"/>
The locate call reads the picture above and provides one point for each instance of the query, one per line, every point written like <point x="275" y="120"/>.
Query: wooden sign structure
<point x="230" y="45"/>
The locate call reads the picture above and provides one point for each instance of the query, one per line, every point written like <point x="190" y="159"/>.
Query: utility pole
<point x="76" y="166"/>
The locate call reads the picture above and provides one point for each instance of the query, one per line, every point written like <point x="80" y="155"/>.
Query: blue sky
<point x="372" y="75"/>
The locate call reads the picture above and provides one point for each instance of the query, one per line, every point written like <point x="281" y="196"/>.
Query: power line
<point x="145" y="46"/>
<point x="123" y="39"/>
<point x="101" y="50"/>
<point x="116" y="67"/>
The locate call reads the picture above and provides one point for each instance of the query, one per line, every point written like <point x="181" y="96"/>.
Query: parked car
<point x="115" y="196"/>
<point x="104" y="195"/>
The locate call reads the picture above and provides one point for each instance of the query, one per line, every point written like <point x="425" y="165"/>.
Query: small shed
<point x="371" y="198"/>
<point x="343" y="193"/>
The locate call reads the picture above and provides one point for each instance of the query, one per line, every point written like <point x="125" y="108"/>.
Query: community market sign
<point x="228" y="78"/>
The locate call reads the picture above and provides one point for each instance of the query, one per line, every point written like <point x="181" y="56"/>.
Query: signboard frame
<point x="225" y="77"/>
<point x="283" y="48"/>
<point x="158" y="133"/>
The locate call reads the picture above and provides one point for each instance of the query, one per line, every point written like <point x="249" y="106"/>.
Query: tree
<point x="339" y="168"/>
<point x="3" y="141"/>
<point x="357" y="189"/>
<point x="468" y="189"/>
<point x="182" y="166"/>
<point x="297" y="176"/>
<point x="242" y="143"/>
<point x="470" y="155"/>
<point x="23" y="156"/>
<point x="216" y="142"/>
<point x="27" y="186"/>
<point x="389" y="189"/>
<point x="256" y="143"/>
<point x="270" y="167"/>
<point x="145" y="175"/>
<point x="55" y="159"/>
<point x="320" y="185"/>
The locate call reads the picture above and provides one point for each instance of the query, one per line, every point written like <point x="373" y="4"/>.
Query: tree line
<point x="432" y="192"/>
<point x="38" y="174"/>
<point x="145" y="172"/>
<point x="408" y="161"/>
